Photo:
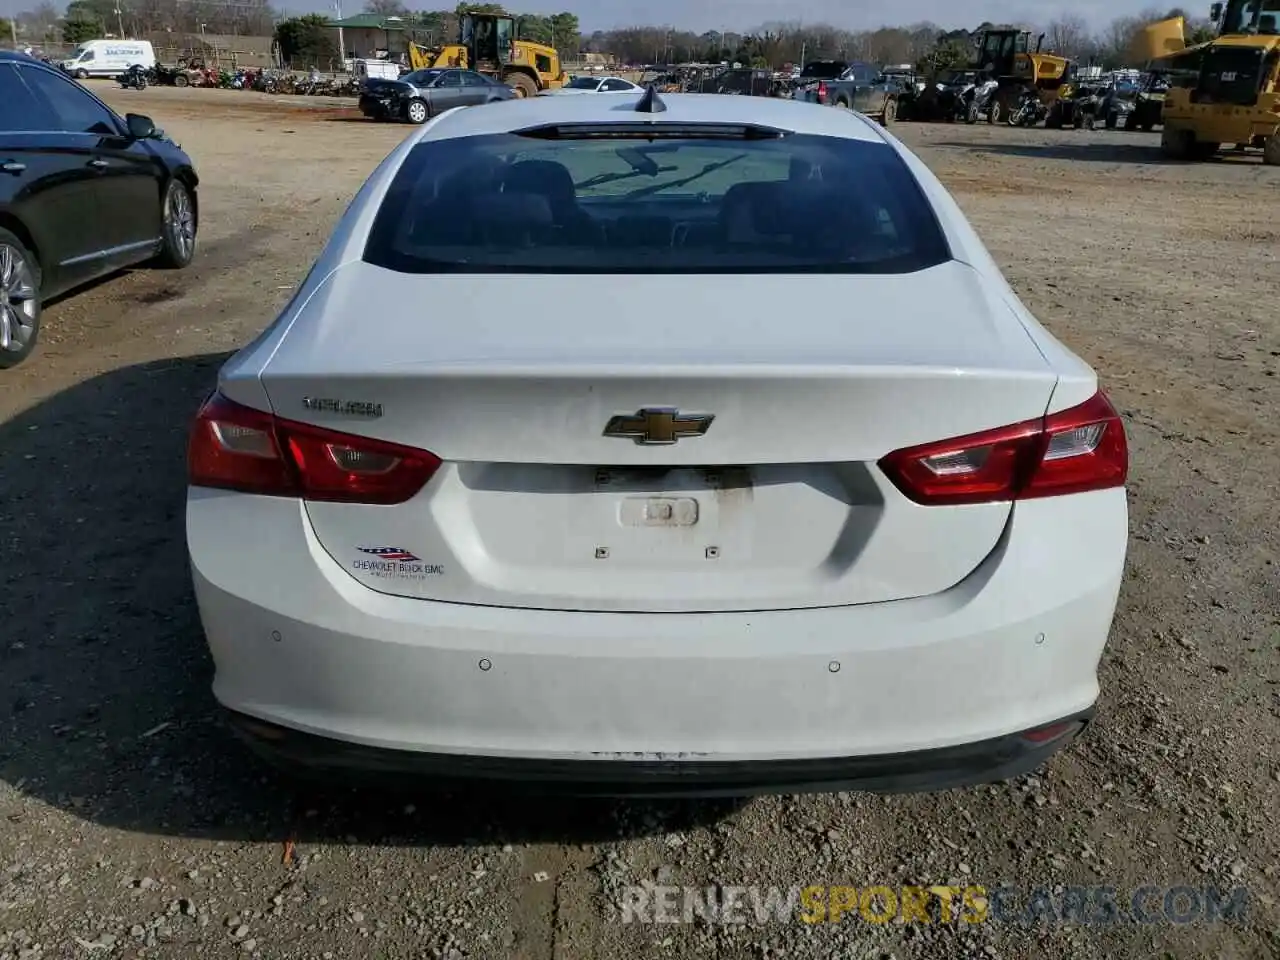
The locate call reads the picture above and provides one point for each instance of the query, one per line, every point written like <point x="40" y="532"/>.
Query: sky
<point x="737" y="15"/>
<point x="742" y="14"/>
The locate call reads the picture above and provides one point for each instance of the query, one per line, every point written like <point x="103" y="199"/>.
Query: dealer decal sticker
<point x="395" y="563"/>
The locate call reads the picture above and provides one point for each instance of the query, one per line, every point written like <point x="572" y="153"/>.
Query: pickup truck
<point x="854" y="86"/>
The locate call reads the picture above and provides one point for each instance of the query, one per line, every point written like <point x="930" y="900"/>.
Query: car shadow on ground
<point x="1095" y="152"/>
<point x="105" y="709"/>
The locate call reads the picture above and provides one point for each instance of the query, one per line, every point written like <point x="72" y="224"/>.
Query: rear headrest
<point x="806" y="210"/>
<point x="825" y="215"/>
<point x="751" y="204"/>
<point x="512" y="219"/>
<point x="544" y="177"/>
<point x="522" y="208"/>
<point x="748" y="194"/>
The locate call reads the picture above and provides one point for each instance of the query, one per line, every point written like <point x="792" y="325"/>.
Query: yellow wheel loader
<point x="487" y="44"/>
<point x="1225" y="91"/>
<point x="1010" y="58"/>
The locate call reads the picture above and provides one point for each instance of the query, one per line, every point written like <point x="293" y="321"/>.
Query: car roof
<point x="791" y="115"/>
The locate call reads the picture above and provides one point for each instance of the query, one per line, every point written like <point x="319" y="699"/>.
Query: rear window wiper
<point x="708" y="169"/>
<point x="642" y="165"/>
<point x="603" y="178"/>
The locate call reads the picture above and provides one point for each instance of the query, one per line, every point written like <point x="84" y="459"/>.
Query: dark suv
<point x="83" y="193"/>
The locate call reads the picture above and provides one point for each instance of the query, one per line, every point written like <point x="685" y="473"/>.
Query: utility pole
<point x="120" y="21"/>
<point x="342" y="47"/>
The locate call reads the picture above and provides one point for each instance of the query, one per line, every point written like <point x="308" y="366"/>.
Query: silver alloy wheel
<point x="417" y="111"/>
<point x="180" y="221"/>
<point x="19" y="299"/>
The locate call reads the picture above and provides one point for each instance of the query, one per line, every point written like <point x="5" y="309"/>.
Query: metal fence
<point x="54" y="51"/>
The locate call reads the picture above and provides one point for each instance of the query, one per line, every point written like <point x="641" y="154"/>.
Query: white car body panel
<point x="836" y="618"/>
<point x="303" y="645"/>
<point x="519" y="412"/>
<point x="600" y="82"/>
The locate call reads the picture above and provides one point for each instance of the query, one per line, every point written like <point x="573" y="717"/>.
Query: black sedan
<point x="83" y="193"/>
<point x="422" y="94"/>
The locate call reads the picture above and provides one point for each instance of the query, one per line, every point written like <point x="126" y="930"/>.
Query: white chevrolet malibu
<point x="590" y="84"/>
<point x="657" y="446"/>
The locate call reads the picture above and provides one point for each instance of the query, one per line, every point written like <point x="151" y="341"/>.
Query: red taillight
<point x="822" y="92"/>
<point x="237" y="448"/>
<point x="1074" y="451"/>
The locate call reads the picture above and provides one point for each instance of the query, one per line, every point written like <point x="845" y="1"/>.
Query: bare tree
<point x="40" y="23"/>
<point x="1068" y="35"/>
<point x="387" y="8"/>
<point x="1118" y="36"/>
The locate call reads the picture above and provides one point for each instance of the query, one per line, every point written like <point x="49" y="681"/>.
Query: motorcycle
<point x="135" y="78"/>
<point x="954" y="102"/>
<point x="980" y="101"/>
<point x="1028" y="111"/>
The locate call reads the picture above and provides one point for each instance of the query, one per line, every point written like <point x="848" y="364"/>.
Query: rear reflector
<point x="1074" y="451"/>
<point x="237" y="448"/>
<point x="1045" y="734"/>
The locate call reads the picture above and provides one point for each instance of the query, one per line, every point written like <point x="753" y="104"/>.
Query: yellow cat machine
<point x="487" y="44"/>
<point x="1009" y="57"/>
<point x="1226" y="91"/>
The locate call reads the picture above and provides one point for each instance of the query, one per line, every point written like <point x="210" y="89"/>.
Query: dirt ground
<point x="131" y="825"/>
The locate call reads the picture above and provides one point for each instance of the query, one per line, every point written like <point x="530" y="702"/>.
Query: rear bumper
<point x="925" y="692"/>
<point x="946" y="768"/>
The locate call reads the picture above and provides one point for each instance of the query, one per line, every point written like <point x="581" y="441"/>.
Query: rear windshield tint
<point x="823" y="70"/>
<point x="699" y="205"/>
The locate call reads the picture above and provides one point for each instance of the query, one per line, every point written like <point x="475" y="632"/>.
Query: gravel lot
<point x="131" y="825"/>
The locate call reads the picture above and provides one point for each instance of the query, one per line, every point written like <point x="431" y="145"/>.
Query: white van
<point x="108" y="58"/>
<point x="375" y="69"/>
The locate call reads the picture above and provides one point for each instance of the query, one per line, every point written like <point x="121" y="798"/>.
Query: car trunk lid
<point x="778" y="503"/>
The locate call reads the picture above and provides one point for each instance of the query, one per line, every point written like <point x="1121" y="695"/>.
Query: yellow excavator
<point x="1224" y="91"/>
<point x="487" y="44"/>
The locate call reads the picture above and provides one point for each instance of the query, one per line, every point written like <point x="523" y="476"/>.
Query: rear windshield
<point x="422" y="77"/>
<point x="1231" y="75"/>
<point x="823" y="70"/>
<point x="698" y="205"/>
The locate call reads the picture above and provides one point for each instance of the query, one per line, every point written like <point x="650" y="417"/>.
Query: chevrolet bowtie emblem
<point x="658" y="425"/>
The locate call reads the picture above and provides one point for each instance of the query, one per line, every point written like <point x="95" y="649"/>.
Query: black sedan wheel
<point x="19" y="300"/>
<point x="178" y="246"/>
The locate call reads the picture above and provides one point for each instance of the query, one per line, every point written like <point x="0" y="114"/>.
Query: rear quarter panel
<point x="1077" y="381"/>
